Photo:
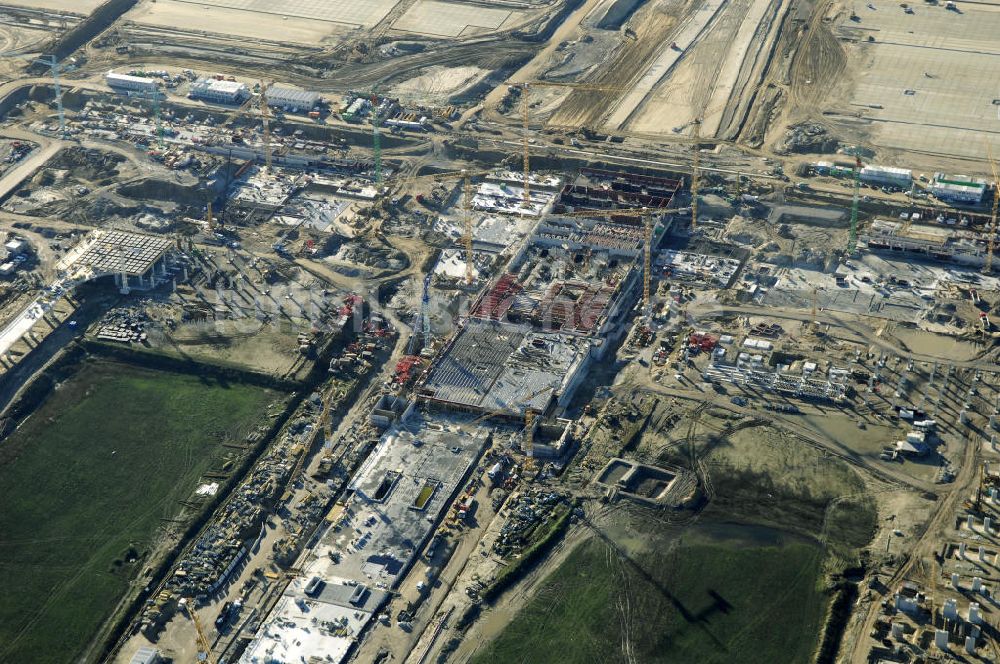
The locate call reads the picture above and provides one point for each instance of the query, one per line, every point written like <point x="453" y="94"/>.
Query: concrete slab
<point x="447" y="19"/>
<point x="358" y="12"/>
<point x="930" y="78"/>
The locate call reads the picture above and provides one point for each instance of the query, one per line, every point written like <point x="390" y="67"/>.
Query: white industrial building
<point x="887" y="176"/>
<point x="957" y="188"/>
<point x="219" y="92"/>
<point x="291" y="98"/>
<point x="132" y="83"/>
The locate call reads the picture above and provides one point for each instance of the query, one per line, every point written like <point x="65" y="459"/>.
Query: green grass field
<point x="736" y="595"/>
<point x="84" y="485"/>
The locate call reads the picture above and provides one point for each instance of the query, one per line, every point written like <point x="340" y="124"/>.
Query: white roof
<point x="972" y="187"/>
<point x="277" y="93"/>
<point x="889" y="170"/>
<point x="227" y="87"/>
<point x="113" y="76"/>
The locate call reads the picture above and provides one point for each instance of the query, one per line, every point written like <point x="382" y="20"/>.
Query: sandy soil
<point x="248" y="344"/>
<point x="441" y="19"/>
<point x="84" y="7"/>
<point x="653" y="24"/>
<point x="197" y="18"/>
<point x="436" y="84"/>
<point x="705" y="81"/>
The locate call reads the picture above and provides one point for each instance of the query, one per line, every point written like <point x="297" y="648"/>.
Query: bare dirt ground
<point x="437" y="84"/>
<point x="671" y="63"/>
<point x="183" y="16"/>
<point x="652" y="24"/>
<point x="83" y="7"/>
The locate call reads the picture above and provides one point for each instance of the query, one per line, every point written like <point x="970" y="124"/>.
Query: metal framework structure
<point x="57" y="68"/>
<point x="826" y="387"/>
<point x="422" y="324"/>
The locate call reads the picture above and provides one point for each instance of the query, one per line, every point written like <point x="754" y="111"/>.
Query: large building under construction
<point x="531" y="336"/>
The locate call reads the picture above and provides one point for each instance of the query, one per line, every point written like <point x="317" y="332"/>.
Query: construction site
<point x="500" y="330"/>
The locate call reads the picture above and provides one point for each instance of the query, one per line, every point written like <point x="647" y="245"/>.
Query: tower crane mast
<point x="695" y="175"/>
<point x="203" y="643"/>
<point x="266" y="122"/>
<point x="852" y="240"/>
<point x="526" y="119"/>
<point x="376" y="141"/>
<point x="467" y="235"/>
<point x="648" y="227"/>
<point x="991" y="237"/>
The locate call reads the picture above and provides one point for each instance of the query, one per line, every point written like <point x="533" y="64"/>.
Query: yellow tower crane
<point x="529" y="419"/>
<point x="646" y="215"/>
<point x="647" y="260"/>
<point x="203" y="642"/>
<point x="466" y="177"/>
<point x="988" y="265"/>
<point x="529" y="428"/>
<point x="526" y="119"/>
<point x="696" y="161"/>
<point x="695" y="175"/>
<point x="265" y="120"/>
<point x="467" y="219"/>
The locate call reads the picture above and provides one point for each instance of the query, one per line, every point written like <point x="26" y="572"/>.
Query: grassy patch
<point x="741" y="594"/>
<point x="85" y="484"/>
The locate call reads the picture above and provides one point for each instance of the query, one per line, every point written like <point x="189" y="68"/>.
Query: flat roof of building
<point x="114" y="252"/>
<point x="113" y="76"/>
<point x="399" y="493"/>
<point x="298" y="630"/>
<point x="280" y="93"/>
<point x="503" y="367"/>
<point x="230" y="87"/>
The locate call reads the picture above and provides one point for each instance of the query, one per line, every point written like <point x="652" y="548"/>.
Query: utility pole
<point x="56" y="68"/>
